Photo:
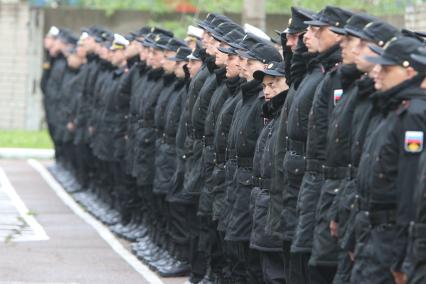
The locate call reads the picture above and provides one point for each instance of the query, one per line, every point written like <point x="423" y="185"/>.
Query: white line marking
<point x="102" y="230"/>
<point x="39" y="232"/>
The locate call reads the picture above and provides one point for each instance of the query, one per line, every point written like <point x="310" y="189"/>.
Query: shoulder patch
<point x="337" y="95"/>
<point x="413" y="141"/>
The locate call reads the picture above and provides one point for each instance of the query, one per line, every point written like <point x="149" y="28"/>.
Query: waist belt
<point x="245" y="162"/>
<point x="360" y="204"/>
<point x="219" y="158"/>
<point x="353" y="172"/>
<point x="148" y="123"/>
<point x="417" y="230"/>
<point x="168" y="139"/>
<point x="382" y="217"/>
<point x="336" y="172"/>
<point x="208" y="140"/>
<point x="197" y="134"/>
<point x="263" y="183"/>
<point x="230" y="154"/>
<point x="314" y="166"/>
<point x="297" y="146"/>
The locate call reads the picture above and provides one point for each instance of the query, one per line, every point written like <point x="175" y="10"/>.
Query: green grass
<point x="25" y="139"/>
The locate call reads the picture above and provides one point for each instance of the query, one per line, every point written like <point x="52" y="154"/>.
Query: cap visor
<point x="358" y="34"/>
<point x="229" y="51"/>
<point x="422" y="34"/>
<point x="380" y="60"/>
<point x="339" y="31"/>
<point x="316" y="23"/>
<point x="245" y="54"/>
<point x="376" y="49"/>
<point x="293" y="31"/>
<point x="419" y="58"/>
<point x="217" y="37"/>
<point x="192" y="57"/>
<point x="175" y="59"/>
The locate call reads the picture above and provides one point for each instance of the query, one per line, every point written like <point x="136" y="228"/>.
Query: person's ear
<point x="411" y="72"/>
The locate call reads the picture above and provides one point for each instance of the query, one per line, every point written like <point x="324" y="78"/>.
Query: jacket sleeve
<point x="412" y="121"/>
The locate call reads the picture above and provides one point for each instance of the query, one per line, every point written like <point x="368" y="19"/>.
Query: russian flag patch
<point x="413" y="142"/>
<point x="337" y="95"/>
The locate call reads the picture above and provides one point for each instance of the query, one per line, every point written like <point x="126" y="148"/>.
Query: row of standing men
<point x="237" y="158"/>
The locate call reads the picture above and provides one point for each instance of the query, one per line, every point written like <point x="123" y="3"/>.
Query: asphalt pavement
<point x="42" y="240"/>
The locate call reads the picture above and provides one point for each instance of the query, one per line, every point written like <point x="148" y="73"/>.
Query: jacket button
<point x="336" y="190"/>
<point x="337" y="140"/>
<point x="184" y="157"/>
<point x="336" y="125"/>
<point x="381" y="175"/>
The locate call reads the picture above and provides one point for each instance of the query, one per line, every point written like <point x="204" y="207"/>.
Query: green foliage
<point x="272" y="6"/>
<point x="25" y="139"/>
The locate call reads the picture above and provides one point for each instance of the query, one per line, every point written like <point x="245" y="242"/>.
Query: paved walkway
<point x="69" y="252"/>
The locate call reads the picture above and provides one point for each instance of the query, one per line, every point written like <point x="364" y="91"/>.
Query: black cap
<point x="160" y="41"/>
<point x="377" y="32"/>
<point x="330" y="16"/>
<point x="148" y="40"/>
<point x="182" y="54"/>
<point x="161" y="31"/>
<point x="296" y="23"/>
<point x="410" y="33"/>
<point x="274" y="69"/>
<point x="354" y="24"/>
<point x="397" y="51"/>
<point x="247" y="42"/>
<point x="67" y="36"/>
<point x="232" y="36"/>
<point x="421" y="34"/>
<point x="227" y="50"/>
<point x="224" y="29"/>
<point x="142" y="31"/>
<point x="420" y="59"/>
<point x="172" y="44"/>
<point x="206" y="22"/>
<point x="104" y="35"/>
<point x="262" y="52"/>
<point x="218" y="20"/>
<point x="197" y="53"/>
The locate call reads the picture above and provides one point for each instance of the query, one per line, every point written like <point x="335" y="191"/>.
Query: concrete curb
<point x="25" y="153"/>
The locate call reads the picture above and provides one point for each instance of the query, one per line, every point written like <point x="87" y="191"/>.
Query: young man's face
<point x="168" y="65"/>
<point x="212" y="46"/>
<point x="89" y="44"/>
<point x="310" y="40"/>
<point x="349" y="45"/>
<point x="178" y="69"/>
<point x="220" y="57"/>
<point x="81" y="51"/>
<point x="273" y="86"/>
<point x="144" y="53"/>
<point x="118" y="57"/>
<point x="74" y="61"/>
<point x="194" y="66"/>
<point x="326" y="38"/>
<point x="389" y="76"/>
<point x="48" y="42"/>
<point x="251" y="67"/>
<point x="292" y="40"/>
<point x="156" y="57"/>
<point x="132" y="49"/>
<point x="205" y="39"/>
<point x="232" y="66"/>
<point x="362" y="51"/>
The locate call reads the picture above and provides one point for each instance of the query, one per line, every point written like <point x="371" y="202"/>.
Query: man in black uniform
<point x="416" y="253"/>
<point x="337" y="93"/>
<point x="389" y="161"/>
<point x="245" y="129"/>
<point x="269" y="246"/>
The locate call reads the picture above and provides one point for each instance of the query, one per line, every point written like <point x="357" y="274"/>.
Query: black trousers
<point x="322" y="274"/>
<point x="272" y="267"/>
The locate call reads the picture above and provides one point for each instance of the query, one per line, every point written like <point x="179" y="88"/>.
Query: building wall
<point x="415" y="17"/>
<point x="14" y="55"/>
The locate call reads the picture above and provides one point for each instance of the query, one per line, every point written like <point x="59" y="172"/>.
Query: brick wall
<point x="13" y="64"/>
<point x="415" y="17"/>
